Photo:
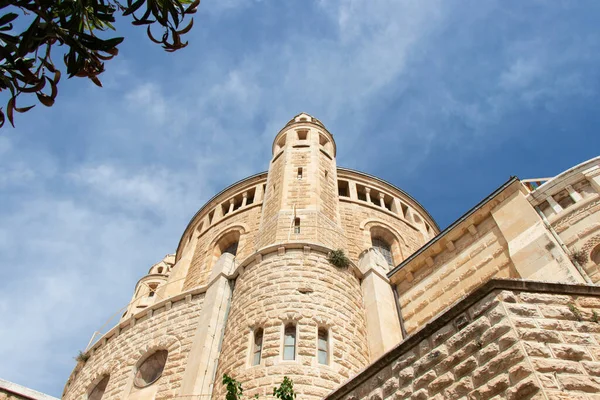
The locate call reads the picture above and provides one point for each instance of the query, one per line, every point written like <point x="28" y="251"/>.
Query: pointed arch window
<point x="289" y="342"/>
<point x="257" y="346"/>
<point x="384" y="248"/>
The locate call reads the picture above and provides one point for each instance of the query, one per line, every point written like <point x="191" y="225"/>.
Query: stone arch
<point x="223" y="242"/>
<point x="170" y="343"/>
<point x="377" y="228"/>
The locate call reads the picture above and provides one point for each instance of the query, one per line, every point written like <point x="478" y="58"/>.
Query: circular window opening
<point x="151" y="369"/>
<point x="98" y="391"/>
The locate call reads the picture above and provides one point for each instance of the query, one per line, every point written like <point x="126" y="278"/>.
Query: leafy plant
<point x="285" y="391"/>
<point x="573" y="308"/>
<point x="595" y="316"/>
<point x="26" y="64"/>
<point x="234" y="388"/>
<point x="338" y="258"/>
<point x="82" y="357"/>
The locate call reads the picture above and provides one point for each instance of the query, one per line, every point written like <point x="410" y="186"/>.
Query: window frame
<point x="291" y="326"/>
<point x="327" y="349"/>
<point x="254" y="351"/>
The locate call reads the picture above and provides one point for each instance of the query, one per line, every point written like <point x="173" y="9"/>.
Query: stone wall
<point x="506" y="340"/>
<point x="6" y="395"/>
<point x="168" y="326"/>
<point x="299" y="286"/>
<point x="472" y="259"/>
<point x="247" y="221"/>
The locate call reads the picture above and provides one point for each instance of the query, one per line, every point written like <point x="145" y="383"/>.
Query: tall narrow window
<point x="299" y="173"/>
<point x="323" y="346"/>
<point x="289" y="342"/>
<point x="257" y="349"/>
<point x="384" y="248"/>
<point x="296" y="225"/>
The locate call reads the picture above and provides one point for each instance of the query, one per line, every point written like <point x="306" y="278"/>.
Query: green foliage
<point x="82" y="357"/>
<point x="234" y="388"/>
<point x="338" y="258"/>
<point x="573" y="308"/>
<point x="26" y="64"/>
<point x="594" y="316"/>
<point x="285" y="391"/>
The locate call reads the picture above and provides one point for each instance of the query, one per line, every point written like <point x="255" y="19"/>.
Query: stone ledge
<point x="449" y="314"/>
<point x="13" y="388"/>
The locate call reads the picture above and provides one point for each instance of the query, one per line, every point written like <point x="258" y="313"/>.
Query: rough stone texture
<point x="474" y="259"/>
<point x="6" y="395"/>
<point x="267" y="296"/>
<point x="170" y="329"/>
<point x="512" y="347"/>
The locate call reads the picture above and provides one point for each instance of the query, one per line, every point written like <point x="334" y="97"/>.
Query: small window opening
<point x="565" y="201"/>
<point x="160" y="270"/>
<point x="281" y="142"/>
<point x="303" y="119"/>
<point x="296" y="225"/>
<point x="326" y="174"/>
<point x="225" y="208"/>
<point x="361" y="192"/>
<point x="257" y="350"/>
<point x="251" y="194"/>
<point x="323" y="346"/>
<point x="404" y="210"/>
<point x="343" y="189"/>
<point x="299" y="173"/>
<point x="152" y="288"/>
<point x="387" y="201"/>
<point x="289" y="342"/>
<point x="302" y="135"/>
<point x="99" y="389"/>
<point x="323" y="140"/>
<point x="210" y="216"/>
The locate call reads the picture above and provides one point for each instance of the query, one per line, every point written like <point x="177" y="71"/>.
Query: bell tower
<point x="301" y="199"/>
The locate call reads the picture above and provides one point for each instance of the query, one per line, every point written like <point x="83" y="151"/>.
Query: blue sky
<point x="445" y="99"/>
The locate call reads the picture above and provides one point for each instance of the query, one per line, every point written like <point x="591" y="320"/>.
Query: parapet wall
<point x="511" y="339"/>
<point x="169" y="325"/>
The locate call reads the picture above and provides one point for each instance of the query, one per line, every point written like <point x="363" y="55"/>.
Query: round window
<point x="151" y="369"/>
<point x="98" y="391"/>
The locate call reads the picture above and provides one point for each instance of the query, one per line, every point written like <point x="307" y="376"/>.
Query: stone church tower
<point x="250" y="291"/>
<point x="503" y="304"/>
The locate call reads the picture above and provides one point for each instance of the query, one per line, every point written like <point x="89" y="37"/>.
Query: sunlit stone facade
<point x="251" y="290"/>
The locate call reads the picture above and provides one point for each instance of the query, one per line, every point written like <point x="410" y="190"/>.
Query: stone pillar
<point x="231" y="204"/>
<point x="535" y="253"/>
<point x="555" y="206"/>
<point x="201" y="365"/>
<point x="383" y="325"/>
<point x="368" y="194"/>
<point x="352" y="190"/>
<point x="593" y="176"/>
<point x="244" y="199"/>
<point x="381" y="201"/>
<point x="573" y="194"/>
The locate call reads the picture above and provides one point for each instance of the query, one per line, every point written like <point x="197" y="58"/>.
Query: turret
<point x="301" y="198"/>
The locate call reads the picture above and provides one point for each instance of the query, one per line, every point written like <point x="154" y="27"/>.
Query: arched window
<point x="98" y="390"/>
<point x="289" y="342"/>
<point x="323" y="346"/>
<point x="384" y="248"/>
<point x="257" y="348"/>
<point x="595" y="256"/>
<point x="150" y="369"/>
